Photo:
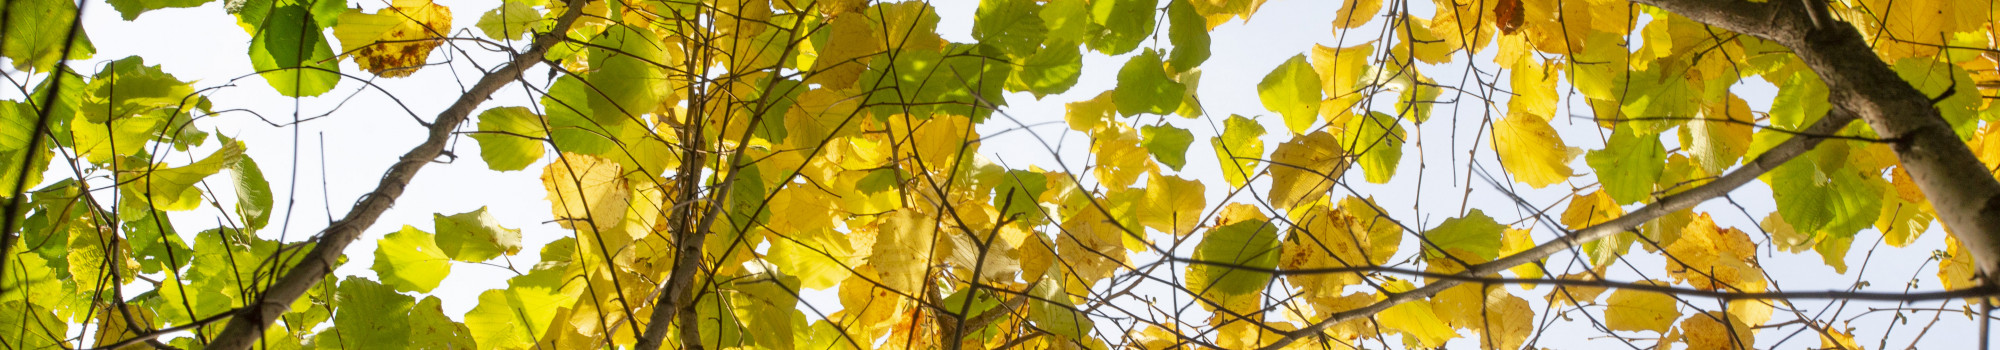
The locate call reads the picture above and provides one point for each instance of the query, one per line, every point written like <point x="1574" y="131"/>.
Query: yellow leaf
<point x="1173" y="204"/>
<point x="1464" y="20"/>
<point x="1384" y="235"/>
<point x="1415" y="320"/>
<point x="1706" y="331"/>
<point x="903" y="249"/>
<point x="1783" y="236"/>
<point x="1515" y="241"/>
<point x="394" y="41"/>
<point x="1088" y="115"/>
<point x="588" y="193"/>
<point x="1710" y="257"/>
<point x="1120" y="158"/>
<point x="1090" y="246"/>
<point x="1340" y="71"/>
<point x="1958" y="270"/>
<point x="1304" y="168"/>
<point x="1590" y="210"/>
<point x="1632" y="310"/>
<point x="851" y="42"/>
<point x="1530" y="149"/>
<point x="1575" y="295"/>
<point x="1720" y="136"/>
<point x="1326" y="239"/>
<point x="1838" y="340"/>
<point x="1508" y="321"/>
<point x="1347" y="332"/>
<point x="1534" y="87"/>
<point x="1354" y="13"/>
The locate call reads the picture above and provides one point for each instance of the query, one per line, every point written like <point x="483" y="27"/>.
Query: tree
<point x="714" y="164"/>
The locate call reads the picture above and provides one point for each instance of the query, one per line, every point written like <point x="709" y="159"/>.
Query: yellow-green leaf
<point x="410" y="260"/>
<point x="395" y="41"/>
<point x="1292" y="90"/>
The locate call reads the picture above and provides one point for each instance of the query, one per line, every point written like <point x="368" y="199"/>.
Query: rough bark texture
<point x="1960" y="188"/>
<point x="247" y="327"/>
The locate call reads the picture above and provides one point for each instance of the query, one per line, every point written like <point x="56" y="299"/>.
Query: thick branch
<point x="244" y="330"/>
<point x="1959" y="186"/>
<point x="1765" y="162"/>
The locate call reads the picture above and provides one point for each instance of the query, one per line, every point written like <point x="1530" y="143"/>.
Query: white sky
<point x="369" y="132"/>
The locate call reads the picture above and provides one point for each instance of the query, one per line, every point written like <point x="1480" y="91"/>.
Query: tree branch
<point x="1765" y="162"/>
<point x="244" y="330"/>
<point x="1960" y="188"/>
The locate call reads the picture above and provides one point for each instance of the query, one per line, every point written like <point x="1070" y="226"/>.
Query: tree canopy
<point x="829" y="174"/>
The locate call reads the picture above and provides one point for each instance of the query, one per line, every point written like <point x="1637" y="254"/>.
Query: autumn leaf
<point x="1531" y="150"/>
<point x="395" y="41"/>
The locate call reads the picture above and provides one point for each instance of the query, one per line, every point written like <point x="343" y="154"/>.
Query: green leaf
<point x="1118" y="26"/>
<point x="293" y="55"/>
<point x="815" y="257"/>
<point x="1933" y="78"/>
<point x="1833" y="251"/>
<point x="513" y="318"/>
<point x="35" y="33"/>
<point x="1053" y="70"/>
<point x="1144" y="87"/>
<point x="16" y="121"/>
<point x="1238" y="149"/>
<point x="1013" y="26"/>
<point x="1826" y="200"/>
<point x="1629" y="164"/>
<point x="155" y="244"/>
<point x="410" y="260"/>
<point x="625" y="76"/>
<point x="1473" y="233"/>
<point x="570" y="126"/>
<point x="131" y="9"/>
<point x="173" y="189"/>
<point x="253" y="193"/>
<point x="1052" y="310"/>
<point x="1657" y="94"/>
<point x="1188" y="31"/>
<point x="31" y="326"/>
<point x="1293" y="91"/>
<point x="1018" y="191"/>
<point x="475" y="236"/>
<point x="431" y="329"/>
<point x="130" y="88"/>
<point x="511" y="20"/>
<point x="509" y="138"/>
<point x="767" y="305"/>
<point x="370" y="316"/>
<point x="1167" y="143"/>
<point x="1249" y="243"/>
<point x="1068" y="21"/>
<point x="1377" y="139"/>
<point x="1801" y="100"/>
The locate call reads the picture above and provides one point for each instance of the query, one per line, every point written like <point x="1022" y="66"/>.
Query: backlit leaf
<point x="1305" y="168"/>
<point x="1238" y="149"/>
<point x="1167" y="143"/>
<point x="1144" y="87"/>
<point x="508" y="138"/>
<point x="1530" y="150"/>
<point x="410" y="260"/>
<point x="1632" y="310"/>
<point x="394" y="41"/>
<point x="475" y="236"/>
<point x="1292" y="90"/>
